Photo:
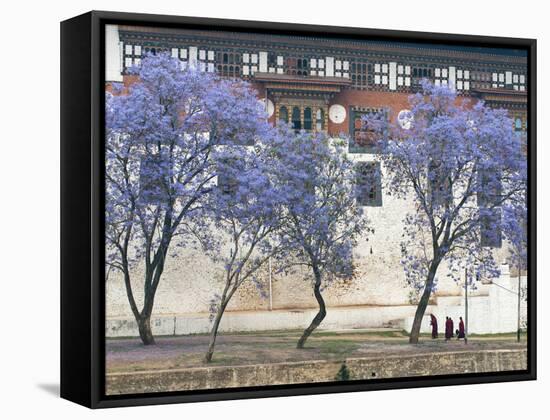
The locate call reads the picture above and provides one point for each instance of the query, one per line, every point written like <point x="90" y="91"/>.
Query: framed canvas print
<point x="256" y="209"/>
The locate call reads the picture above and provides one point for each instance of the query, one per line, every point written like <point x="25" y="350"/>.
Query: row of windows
<point x="369" y="184"/>
<point x="379" y="76"/>
<point x="369" y="193"/>
<point x="508" y="80"/>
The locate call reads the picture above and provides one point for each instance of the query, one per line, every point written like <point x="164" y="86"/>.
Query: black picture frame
<point x="82" y="203"/>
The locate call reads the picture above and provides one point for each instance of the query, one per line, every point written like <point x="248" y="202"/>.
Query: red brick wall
<point x="396" y="101"/>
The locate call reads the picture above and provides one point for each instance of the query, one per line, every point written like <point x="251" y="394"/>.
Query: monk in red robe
<point x="448" y="328"/>
<point x="451" y="327"/>
<point x="433" y="323"/>
<point x="461" y="333"/>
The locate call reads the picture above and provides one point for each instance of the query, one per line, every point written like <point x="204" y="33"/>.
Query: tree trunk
<point x="214" y="334"/>
<point x="144" y="321"/>
<point x="320" y="315"/>
<point x="422" y="305"/>
<point x="145" y="333"/>
<point x="519" y="306"/>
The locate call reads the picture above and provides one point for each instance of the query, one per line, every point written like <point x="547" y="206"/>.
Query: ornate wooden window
<point x="421" y="72"/>
<point x="359" y="74"/>
<point x="226" y="181"/>
<point x="303" y="115"/>
<point x="308" y="120"/>
<point x="341" y="68"/>
<point x="317" y="67"/>
<point x="481" y="79"/>
<point x="381" y="78"/>
<point x="369" y="184"/>
<point x="206" y="60"/>
<point x="519" y="82"/>
<point x="283" y="114"/>
<point x="229" y="64"/>
<point x="404" y="77"/>
<point x="296" y="66"/>
<point x="153" y="188"/>
<point x="250" y="64"/>
<point x="362" y="140"/>
<point x="462" y="80"/>
<point x="518" y="125"/>
<point x="440" y="191"/>
<point x="488" y="198"/>
<point x="441" y="76"/>
<point x="497" y="80"/>
<point x="181" y="54"/>
<point x="132" y="55"/>
<point x="320" y="119"/>
<point x="491" y="230"/>
<point x="296" y="118"/>
<point x="272" y="63"/>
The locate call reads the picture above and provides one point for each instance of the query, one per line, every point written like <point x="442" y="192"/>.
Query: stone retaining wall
<point x="316" y="371"/>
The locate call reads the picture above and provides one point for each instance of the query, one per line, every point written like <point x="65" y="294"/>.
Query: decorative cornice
<point x="495" y="95"/>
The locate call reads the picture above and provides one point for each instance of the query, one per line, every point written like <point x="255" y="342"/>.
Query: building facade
<point x="323" y="84"/>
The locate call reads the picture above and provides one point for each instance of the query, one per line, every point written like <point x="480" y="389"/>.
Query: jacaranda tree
<point x="461" y="164"/>
<point x="321" y="219"/>
<point x="160" y="133"/>
<point x="245" y="212"/>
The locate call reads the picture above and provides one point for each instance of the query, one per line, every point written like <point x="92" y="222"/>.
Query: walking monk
<point x="433" y="323"/>
<point x="461" y="329"/>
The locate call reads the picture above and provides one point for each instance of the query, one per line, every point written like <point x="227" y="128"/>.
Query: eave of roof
<point x="370" y="46"/>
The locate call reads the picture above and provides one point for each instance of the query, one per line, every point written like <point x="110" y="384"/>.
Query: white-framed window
<point x="131" y="55"/>
<point x="462" y="79"/>
<point x="518" y="81"/>
<point x="380" y="73"/>
<point x="403" y="75"/>
<point x="441" y="76"/>
<point x="497" y="80"/>
<point x="345" y="68"/>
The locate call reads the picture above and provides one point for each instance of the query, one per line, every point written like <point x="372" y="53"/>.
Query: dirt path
<point x="129" y="355"/>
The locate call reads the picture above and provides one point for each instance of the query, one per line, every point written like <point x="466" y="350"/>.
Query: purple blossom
<point x="465" y="169"/>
